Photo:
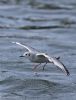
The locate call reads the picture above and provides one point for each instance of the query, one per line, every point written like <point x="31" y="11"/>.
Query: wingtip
<point x="68" y="73"/>
<point x="15" y="42"/>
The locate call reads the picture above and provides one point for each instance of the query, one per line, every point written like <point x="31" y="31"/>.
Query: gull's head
<point x="26" y="54"/>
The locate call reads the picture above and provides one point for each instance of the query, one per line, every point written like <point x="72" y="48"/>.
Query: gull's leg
<point x="44" y="65"/>
<point x="36" y="66"/>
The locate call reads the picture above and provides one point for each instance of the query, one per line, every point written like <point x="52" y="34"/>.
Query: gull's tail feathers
<point x="60" y="65"/>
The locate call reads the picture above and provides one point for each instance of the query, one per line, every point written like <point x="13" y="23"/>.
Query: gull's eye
<point x="26" y="54"/>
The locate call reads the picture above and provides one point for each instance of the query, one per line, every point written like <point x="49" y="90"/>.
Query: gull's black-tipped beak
<point x="21" y="56"/>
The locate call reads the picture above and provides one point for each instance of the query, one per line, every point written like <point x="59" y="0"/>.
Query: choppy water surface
<point x="49" y="26"/>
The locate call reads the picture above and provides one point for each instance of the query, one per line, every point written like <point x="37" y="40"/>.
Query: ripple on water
<point x="32" y="86"/>
<point x="28" y="87"/>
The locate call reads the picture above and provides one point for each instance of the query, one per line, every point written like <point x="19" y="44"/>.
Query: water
<point x="49" y="26"/>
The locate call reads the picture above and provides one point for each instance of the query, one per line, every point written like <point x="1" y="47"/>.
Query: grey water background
<point x="49" y="26"/>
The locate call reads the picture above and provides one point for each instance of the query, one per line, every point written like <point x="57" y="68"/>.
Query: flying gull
<point x="36" y="56"/>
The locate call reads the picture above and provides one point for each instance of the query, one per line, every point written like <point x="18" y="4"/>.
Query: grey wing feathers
<point x="60" y="65"/>
<point x="40" y="55"/>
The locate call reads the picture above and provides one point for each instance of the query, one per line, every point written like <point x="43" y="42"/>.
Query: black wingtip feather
<point x="68" y="73"/>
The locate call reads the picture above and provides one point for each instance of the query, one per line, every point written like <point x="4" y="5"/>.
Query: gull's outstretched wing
<point x="59" y="64"/>
<point x="22" y="46"/>
<point x="29" y="48"/>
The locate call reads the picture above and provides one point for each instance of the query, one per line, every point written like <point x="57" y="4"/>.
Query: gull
<point x="36" y="56"/>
